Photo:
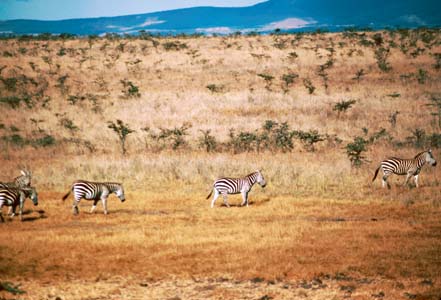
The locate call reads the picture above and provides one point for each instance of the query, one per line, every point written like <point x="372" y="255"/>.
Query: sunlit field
<point x="199" y="108"/>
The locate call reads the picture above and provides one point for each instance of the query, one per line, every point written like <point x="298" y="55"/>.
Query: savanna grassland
<point x="166" y="116"/>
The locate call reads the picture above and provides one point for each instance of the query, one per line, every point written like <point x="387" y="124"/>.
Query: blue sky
<point x="68" y="9"/>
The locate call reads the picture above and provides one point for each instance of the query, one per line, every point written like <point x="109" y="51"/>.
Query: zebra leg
<point x="384" y="182"/>
<point x="216" y="195"/>
<point x="407" y="179"/>
<point x="75" y="209"/>
<point x="21" y="210"/>
<point x="244" y="199"/>
<point x="416" y="180"/>
<point x="92" y="210"/>
<point x="104" y="201"/>
<point x="225" y="200"/>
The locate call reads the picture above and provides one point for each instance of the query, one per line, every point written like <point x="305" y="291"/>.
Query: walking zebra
<point x="242" y="185"/>
<point x="14" y="197"/>
<point x="94" y="191"/>
<point x="409" y="167"/>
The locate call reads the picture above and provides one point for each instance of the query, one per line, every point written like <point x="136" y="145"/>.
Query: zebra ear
<point x="23" y="172"/>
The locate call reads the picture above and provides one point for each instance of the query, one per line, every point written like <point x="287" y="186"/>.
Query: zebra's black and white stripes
<point x="242" y="185"/>
<point x="408" y="167"/>
<point x="94" y="191"/>
<point x="14" y="196"/>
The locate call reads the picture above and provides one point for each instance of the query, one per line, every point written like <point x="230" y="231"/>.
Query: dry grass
<point x="318" y="218"/>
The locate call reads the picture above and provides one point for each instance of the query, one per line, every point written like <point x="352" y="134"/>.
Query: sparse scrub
<point x="215" y="88"/>
<point x="355" y="151"/>
<point x="268" y="80"/>
<point x="207" y="141"/>
<point x="436" y="104"/>
<point x="308" y="85"/>
<point x="174" y="138"/>
<point x="122" y="130"/>
<point x="130" y="90"/>
<point x="309" y="138"/>
<point x="381" y="54"/>
<point x="343" y="106"/>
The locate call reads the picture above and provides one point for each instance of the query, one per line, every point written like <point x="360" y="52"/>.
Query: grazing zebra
<point x="409" y="167"/>
<point x="94" y="191"/>
<point x="14" y="197"/>
<point x="242" y="185"/>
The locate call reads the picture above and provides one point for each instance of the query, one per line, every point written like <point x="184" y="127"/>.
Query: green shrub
<point x="343" y="105"/>
<point x="45" y="141"/>
<point x="308" y="85"/>
<point x="122" y="130"/>
<point x="130" y="90"/>
<point x="176" y="46"/>
<point x="207" y="141"/>
<point x="309" y="139"/>
<point x="355" y="150"/>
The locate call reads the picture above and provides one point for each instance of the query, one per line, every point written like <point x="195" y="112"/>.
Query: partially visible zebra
<point x="409" y="167"/>
<point x="24" y="180"/>
<point x="14" y="197"/>
<point x="94" y="191"/>
<point x="242" y="185"/>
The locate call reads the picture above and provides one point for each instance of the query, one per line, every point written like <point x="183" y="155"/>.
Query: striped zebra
<point x="22" y="181"/>
<point x="14" y="197"/>
<point x="94" y="191"/>
<point x="408" y="167"/>
<point x="242" y="185"/>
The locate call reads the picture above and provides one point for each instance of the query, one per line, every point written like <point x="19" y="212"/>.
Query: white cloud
<point x="290" y="23"/>
<point x="215" y="30"/>
<point x="148" y="22"/>
<point x="413" y="19"/>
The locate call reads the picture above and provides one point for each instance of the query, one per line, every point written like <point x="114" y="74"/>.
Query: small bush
<point x="130" y="90"/>
<point x="174" y="138"/>
<point x="308" y="85"/>
<point x="422" y="76"/>
<point x="343" y="105"/>
<point x="215" y="88"/>
<point x="381" y="55"/>
<point x="176" y="46"/>
<point x="309" y="138"/>
<point x="122" y="130"/>
<point x="207" y="141"/>
<point x="355" y="149"/>
<point x="44" y="141"/>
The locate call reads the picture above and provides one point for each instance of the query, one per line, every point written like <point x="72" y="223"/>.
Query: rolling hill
<point x="262" y="17"/>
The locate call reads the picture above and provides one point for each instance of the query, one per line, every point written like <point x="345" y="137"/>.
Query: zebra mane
<point x="421" y="153"/>
<point x="252" y="174"/>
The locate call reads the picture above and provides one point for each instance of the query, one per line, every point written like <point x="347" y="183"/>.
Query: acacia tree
<point x="122" y="130"/>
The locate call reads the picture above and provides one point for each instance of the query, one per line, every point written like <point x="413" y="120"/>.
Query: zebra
<point x="242" y="185"/>
<point x="408" y="167"/>
<point x="14" y="197"/>
<point x="94" y="191"/>
<point x="22" y="181"/>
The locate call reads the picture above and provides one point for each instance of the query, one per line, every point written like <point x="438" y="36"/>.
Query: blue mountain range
<point x="289" y="15"/>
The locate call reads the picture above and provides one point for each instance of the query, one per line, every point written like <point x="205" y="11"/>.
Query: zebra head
<point x="120" y="193"/>
<point x="260" y="180"/>
<point x="32" y="194"/>
<point x="430" y="159"/>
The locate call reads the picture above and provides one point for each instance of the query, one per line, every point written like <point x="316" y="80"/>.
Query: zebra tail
<point x="211" y="192"/>
<point x="376" y="173"/>
<point x="67" y="195"/>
